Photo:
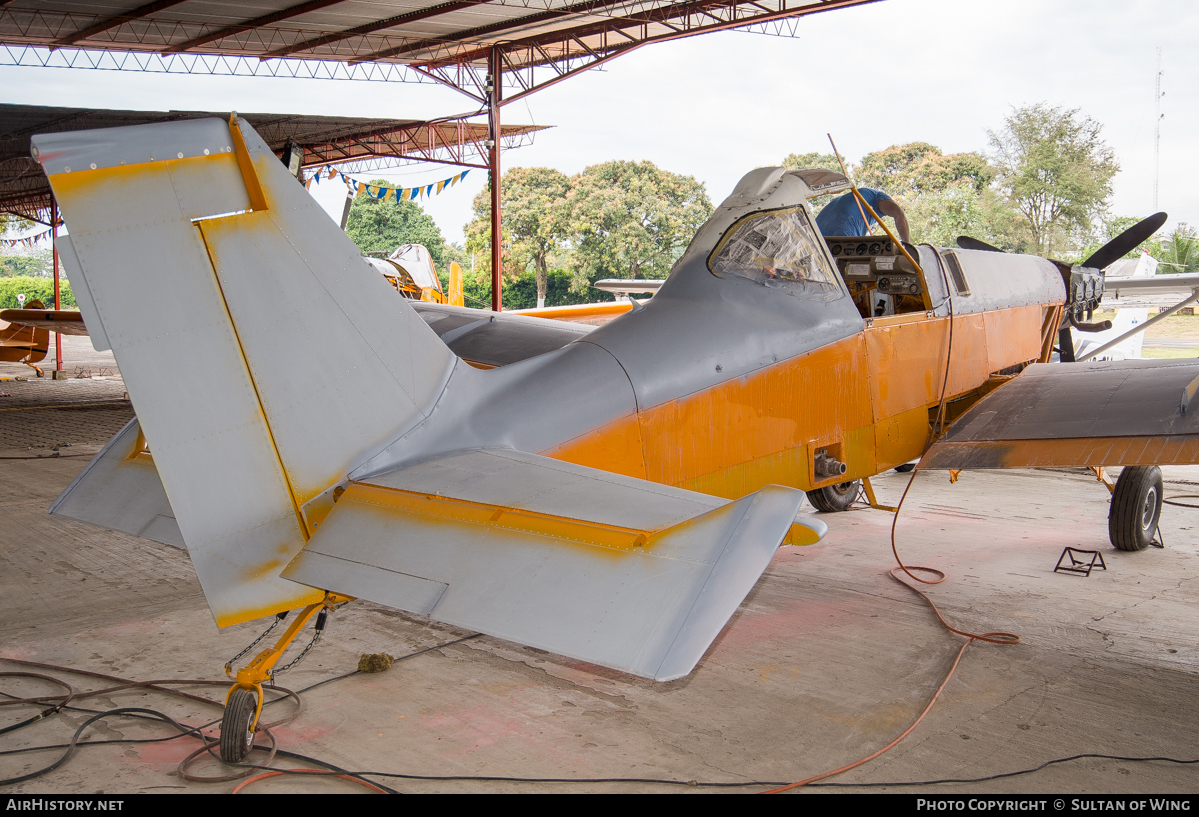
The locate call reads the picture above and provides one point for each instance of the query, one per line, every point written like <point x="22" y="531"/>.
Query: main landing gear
<point x="243" y="703"/>
<point x="1136" y="507"/>
<point x="833" y="498"/>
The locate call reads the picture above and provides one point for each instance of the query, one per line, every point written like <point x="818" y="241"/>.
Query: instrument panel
<point x="876" y="262"/>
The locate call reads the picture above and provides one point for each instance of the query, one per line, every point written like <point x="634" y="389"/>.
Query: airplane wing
<point x="591" y="565"/>
<point x="1127" y="412"/>
<point x="62" y="321"/>
<point x="1152" y="284"/>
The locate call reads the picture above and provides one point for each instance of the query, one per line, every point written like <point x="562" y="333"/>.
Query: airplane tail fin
<point x="262" y="354"/>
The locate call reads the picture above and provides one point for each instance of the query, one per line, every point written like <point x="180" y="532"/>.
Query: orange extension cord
<point x="1005" y="639"/>
<point x="237" y="789"/>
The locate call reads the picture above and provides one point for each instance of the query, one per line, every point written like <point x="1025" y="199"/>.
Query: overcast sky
<point x="717" y="106"/>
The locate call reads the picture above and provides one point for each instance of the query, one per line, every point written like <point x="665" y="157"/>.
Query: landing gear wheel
<point x="833" y="498"/>
<point x="905" y="468"/>
<point x="236" y="737"/>
<point x="1136" y="507"/>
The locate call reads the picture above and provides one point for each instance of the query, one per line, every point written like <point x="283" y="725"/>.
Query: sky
<point x="719" y="105"/>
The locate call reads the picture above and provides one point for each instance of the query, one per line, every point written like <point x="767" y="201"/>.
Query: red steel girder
<point x="117" y="20"/>
<point x="663" y="15"/>
<point x="238" y="28"/>
<point x="379" y="25"/>
<point x="493" y="28"/>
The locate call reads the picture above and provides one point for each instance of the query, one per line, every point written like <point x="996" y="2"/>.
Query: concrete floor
<point x="827" y="660"/>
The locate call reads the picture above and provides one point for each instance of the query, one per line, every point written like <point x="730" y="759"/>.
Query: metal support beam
<point x="496" y="78"/>
<point x="119" y="20"/>
<point x="249" y="25"/>
<point x="57" y="292"/>
<point x="1194" y="297"/>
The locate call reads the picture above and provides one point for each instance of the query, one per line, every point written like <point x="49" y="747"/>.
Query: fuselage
<point x="723" y="385"/>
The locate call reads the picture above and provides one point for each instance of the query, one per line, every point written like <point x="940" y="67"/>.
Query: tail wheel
<point x="833" y="498"/>
<point x="236" y="737"/>
<point x="1136" y="507"/>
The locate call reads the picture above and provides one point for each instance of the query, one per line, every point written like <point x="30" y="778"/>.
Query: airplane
<point x="25" y="337"/>
<point x="609" y="493"/>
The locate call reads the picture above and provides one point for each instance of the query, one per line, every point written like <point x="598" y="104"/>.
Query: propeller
<point x="968" y="243"/>
<point x="1125" y="242"/>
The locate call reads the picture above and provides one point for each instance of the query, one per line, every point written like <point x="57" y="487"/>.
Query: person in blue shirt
<point x="841" y="216"/>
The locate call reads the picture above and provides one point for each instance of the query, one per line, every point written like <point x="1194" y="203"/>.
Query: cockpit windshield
<point x="780" y="249"/>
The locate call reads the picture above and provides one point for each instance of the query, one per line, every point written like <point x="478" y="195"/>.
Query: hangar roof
<point x="354" y="144"/>
<point x="429" y="34"/>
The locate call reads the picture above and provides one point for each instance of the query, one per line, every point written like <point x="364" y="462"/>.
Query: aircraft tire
<point x="905" y="468"/>
<point x="236" y="737"/>
<point x="1136" y="507"/>
<point x="833" y="498"/>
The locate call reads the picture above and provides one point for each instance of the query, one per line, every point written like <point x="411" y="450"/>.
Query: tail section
<point x="271" y="359"/>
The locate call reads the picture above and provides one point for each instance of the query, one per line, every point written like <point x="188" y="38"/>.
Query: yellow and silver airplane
<point x="609" y="493"/>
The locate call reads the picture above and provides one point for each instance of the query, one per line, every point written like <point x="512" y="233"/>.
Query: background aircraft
<point x="608" y="493"/>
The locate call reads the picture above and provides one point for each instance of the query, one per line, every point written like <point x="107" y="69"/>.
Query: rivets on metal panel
<point x="719" y="368"/>
<point x="67" y="169"/>
<point x="179" y="155"/>
<point x="93" y="165"/>
<point x="205" y="151"/>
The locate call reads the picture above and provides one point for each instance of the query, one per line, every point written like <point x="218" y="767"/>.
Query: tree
<point x="382" y="225"/>
<point x="908" y="171"/>
<point x="534" y="222"/>
<point x="1056" y="171"/>
<point x="631" y="220"/>
<point x="943" y="195"/>
<point x="1179" y="251"/>
<point x="804" y="161"/>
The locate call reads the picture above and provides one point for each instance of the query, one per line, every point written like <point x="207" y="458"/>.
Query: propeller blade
<point x="968" y="243"/>
<point x="1125" y="242"/>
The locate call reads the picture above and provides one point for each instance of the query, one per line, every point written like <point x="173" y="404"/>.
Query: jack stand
<point x="243" y="702"/>
<point x="871" y="499"/>
<point x="1079" y="566"/>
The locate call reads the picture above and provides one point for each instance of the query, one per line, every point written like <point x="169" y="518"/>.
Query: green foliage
<point x="805" y="161"/>
<point x="1056" y="171"/>
<point x="909" y="171"/>
<point x="40" y="265"/>
<point x="943" y="196"/>
<point x="382" y="225"/>
<point x="520" y="291"/>
<point x="1109" y="229"/>
<point x="613" y="220"/>
<point x="1177" y="252"/>
<point x="35" y="289"/>
<point x="631" y="220"/>
<point x="534" y="224"/>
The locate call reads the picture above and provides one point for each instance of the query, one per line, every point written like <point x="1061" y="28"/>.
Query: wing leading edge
<point x="607" y="569"/>
<point x="1126" y="412"/>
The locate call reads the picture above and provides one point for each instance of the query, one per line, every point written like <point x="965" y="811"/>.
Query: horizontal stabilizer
<point x="1126" y="412"/>
<point x="608" y="569"/>
<point x="120" y="490"/>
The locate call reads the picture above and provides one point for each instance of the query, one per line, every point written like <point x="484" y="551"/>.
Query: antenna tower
<point x="1157" y="124"/>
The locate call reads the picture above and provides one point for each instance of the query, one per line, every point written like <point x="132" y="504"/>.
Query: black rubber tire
<point x="1136" y="507"/>
<point x="834" y="498"/>
<point x="236" y="736"/>
<point x="905" y="468"/>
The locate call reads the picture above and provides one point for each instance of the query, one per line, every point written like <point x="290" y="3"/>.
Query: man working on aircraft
<point x="843" y="215"/>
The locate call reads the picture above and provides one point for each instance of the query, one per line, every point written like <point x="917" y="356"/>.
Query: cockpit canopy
<point x="777" y="248"/>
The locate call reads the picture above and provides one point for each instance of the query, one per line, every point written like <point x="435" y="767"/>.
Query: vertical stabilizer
<point x="263" y="356"/>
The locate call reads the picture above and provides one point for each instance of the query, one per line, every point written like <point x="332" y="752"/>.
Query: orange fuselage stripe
<point x="867" y="396"/>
